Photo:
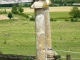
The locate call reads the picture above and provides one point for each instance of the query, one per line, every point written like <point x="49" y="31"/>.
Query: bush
<point x="75" y="12"/>
<point x="52" y="19"/>
<point x="32" y="18"/>
<point x="3" y="11"/>
<point x="14" y="9"/>
<point x="10" y="15"/>
<point x="20" y="9"/>
<point x="74" y="20"/>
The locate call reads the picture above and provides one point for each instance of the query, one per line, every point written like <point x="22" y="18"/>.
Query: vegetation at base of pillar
<point x="10" y="15"/>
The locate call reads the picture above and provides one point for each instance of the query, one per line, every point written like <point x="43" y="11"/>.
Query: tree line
<point x="54" y="3"/>
<point x="10" y="5"/>
<point x="64" y="2"/>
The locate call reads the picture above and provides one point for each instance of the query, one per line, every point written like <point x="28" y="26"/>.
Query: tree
<point x="20" y="9"/>
<point x="14" y="9"/>
<point x="75" y="12"/>
<point x="10" y="15"/>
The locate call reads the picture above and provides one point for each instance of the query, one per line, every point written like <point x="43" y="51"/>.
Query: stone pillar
<point x="47" y="29"/>
<point x="40" y="34"/>
<point x="43" y="33"/>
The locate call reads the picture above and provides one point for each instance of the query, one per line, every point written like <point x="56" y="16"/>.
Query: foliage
<point x="32" y="18"/>
<point x="74" y="20"/>
<point x="24" y="15"/>
<point x="20" y="9"/>
<point x="27" y="4"/>
<point x="57" y="57"/>
<point x="10" y="15"/>
<point x="3" y="11"/>
<point x="75" y="12"/>
<point x="14" y="9"/>
<point x="27" y="58"/>
<point x="53" y="19"/>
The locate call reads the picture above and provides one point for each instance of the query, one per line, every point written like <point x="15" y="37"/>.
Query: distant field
<point x="51" y="9"/>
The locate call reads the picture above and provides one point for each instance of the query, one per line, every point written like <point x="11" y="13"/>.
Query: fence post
<point x="68" y="57"/>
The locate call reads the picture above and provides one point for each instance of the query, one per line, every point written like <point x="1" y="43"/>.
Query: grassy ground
<point x="66" y="38"/>
<point x="18" y="36"/>
<point x="59" y="15"/>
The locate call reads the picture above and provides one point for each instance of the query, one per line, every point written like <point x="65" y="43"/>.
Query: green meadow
<point x="17" y="36"/>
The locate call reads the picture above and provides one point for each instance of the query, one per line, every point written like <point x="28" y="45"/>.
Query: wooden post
<point x="68" y="57"/>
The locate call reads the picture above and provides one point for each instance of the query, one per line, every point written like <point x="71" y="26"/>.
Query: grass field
<point x="18" y="36"/>
<point x="51" y="9"/>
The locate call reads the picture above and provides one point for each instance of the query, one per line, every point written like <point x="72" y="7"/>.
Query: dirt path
<point x="2" y="17"/>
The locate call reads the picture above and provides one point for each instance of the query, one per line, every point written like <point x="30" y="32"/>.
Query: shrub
<point x="20" y="9"/>
<point x="52" y="19"/>
<point x="32" y="18"/>
<point x="14" y="9"/>
<point x="74" y="20"/>
<point x="10" y="15"/>
<point x="75" y="12"/>
<point x="3" y="11"/>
